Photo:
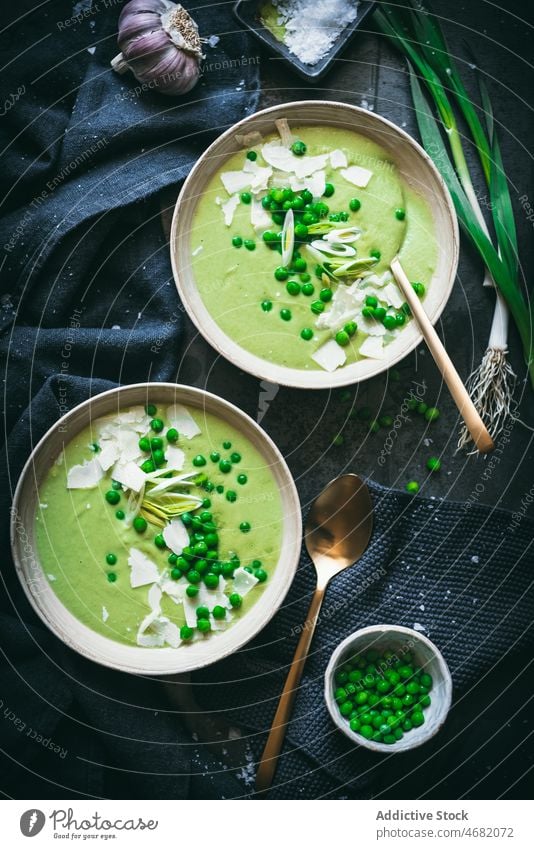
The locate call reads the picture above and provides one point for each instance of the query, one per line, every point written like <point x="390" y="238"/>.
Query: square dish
<point x="248" y="13"/>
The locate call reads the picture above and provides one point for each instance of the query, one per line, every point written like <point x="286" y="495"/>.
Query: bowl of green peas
<point x="388" y="688"/>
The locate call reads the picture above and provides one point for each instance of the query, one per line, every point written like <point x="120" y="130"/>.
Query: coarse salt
<point x="312" y="26"/>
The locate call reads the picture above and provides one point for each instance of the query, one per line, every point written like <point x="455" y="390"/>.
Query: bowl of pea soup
<point x="388" y="688"/>
<point x="164" y="528"/>
<point x="284" y="232"/>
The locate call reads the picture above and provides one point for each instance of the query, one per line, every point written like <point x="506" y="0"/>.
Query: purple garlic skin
<point x="160" y="45"/>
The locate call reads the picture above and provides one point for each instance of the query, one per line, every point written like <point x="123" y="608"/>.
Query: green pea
<point x="159" y="541"/>
<point x="191" y="590"/>
<point x="266" y="306"/>
<point x="252" y="155"/>
<point x="246" y="197"/>
<point x="371" y="301"/>
<point x="112" y="577"/>
<point x="231" y="495"/>
<point x="362" y="697"/>
<point x="172" y="435"/>
<point x="285" y="314"/>
<point x="211" y="580"/>
<point x="354" y="204"/>
<point x="326" y="295"/>
<point x="151" y="409"/>
<point x="419" y="289"/>
<point x="111" y="559"/>
<point x="300" y="264"/>
<point x="225" y="466"/>
<point x="342" y="338"/>
<point x="202" y="612"/>
<point x="400" y="319"/>
<point x="245" y="527"/>
<point x="237" y="242"/>
<point x="235" y="600"/>
<point x="400" y="214"/>
<point x="281" y="273"/>
<point x="219" y="612"/>
<point x="159" y="457"/>
<point x="433" y="464"/>
<point x="375" y="254"/>
<point x="120" y="514"/>
<point x="112" y="496"/>
<point x="367" y="731"/>
<point x="186" y="633"/>
<point x="432" y="414"/>
<point x="417" y="718"/>
<point x="306" y="333"/>
<point x="157" y="425"/>
<point x="176" y="573"/>
<point x="204" y="625"/>
<point x="426" y="680"/>
<point x="261" y="575"/>
<point x="299" y="148"/>
<point x="250" y="245"/>
<point x="144" y="443"/>
<point x="293" y="288"/>
<point x="301" y="231"/>
<point x="308" y="288"/>
<point x="412" y="487"/>
<point x="389" y="322"/>
<point x="379" y="313"/>
<point x="351" y="327"/>
<point x="140" y="524"/>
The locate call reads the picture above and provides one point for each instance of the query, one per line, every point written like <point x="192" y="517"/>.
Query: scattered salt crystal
<point x="115" y="327"/>
<point x="51" y="577"/>
<point x="213" y="40"/>
<point x="475" y="559"/>
<point x="312" y="26"/>
<point x="422" y="607"/>
<point x="418" y="627"/>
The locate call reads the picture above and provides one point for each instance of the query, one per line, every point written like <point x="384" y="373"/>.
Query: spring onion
<point x="418" y="35"/>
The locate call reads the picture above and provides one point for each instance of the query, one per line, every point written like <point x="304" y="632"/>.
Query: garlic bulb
<point x="160" y="45"/>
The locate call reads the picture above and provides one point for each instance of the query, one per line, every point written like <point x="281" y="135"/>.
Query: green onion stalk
<point x="418" y="36"/>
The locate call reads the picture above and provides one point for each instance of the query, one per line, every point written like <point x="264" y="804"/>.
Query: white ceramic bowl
<point x="417" y="169"/>
<point x="78" y="636"/>
<point x="425" y="653"/>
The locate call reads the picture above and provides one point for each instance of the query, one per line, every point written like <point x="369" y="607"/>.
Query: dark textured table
<point x="492" y="761"/>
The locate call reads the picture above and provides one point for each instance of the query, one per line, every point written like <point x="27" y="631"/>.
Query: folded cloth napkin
<point x="461" y="576"/>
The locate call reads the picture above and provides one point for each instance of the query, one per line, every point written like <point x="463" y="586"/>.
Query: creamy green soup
<point x="176" y="552"/>
<point x="354" y="202"/>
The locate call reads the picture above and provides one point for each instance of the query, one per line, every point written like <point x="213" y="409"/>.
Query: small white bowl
<point x="96" y="647"/>
<point x="425" y="654"/>
<point x="417" y="169"/>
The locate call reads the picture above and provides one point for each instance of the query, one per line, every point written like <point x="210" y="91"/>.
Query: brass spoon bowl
<point x="337" y="533"/>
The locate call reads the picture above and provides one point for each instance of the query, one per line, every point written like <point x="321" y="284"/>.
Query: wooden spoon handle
<point x="468" y="411"/>
<point x="275" y="740"/>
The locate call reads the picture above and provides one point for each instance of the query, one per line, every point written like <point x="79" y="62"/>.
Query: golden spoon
<point x="460" y="395"/>
<point x="337" y="533"/>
